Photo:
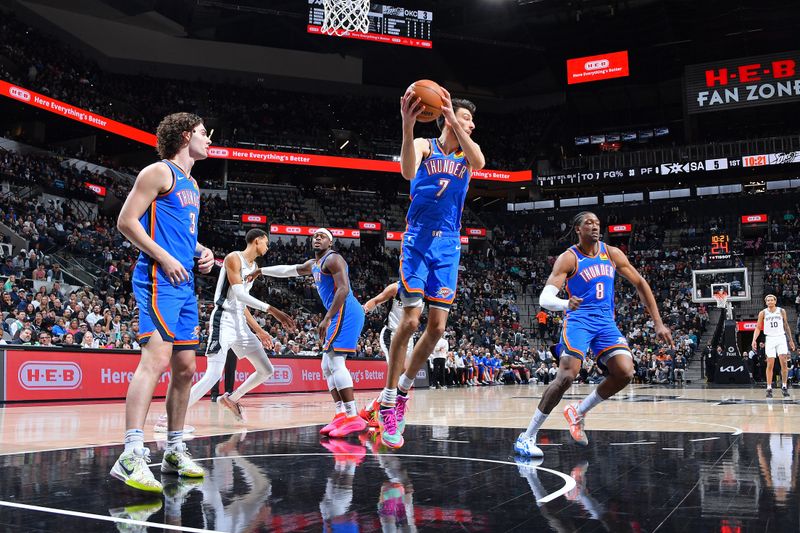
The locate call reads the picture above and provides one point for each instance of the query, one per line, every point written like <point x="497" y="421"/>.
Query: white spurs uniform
<point x="776" y="334"/>
<point x="392" y="321"/>
<point x="228" y="325"/>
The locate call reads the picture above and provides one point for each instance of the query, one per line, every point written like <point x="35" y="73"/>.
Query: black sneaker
<point x="769" y="393"/>
<point x="785" y="392"/>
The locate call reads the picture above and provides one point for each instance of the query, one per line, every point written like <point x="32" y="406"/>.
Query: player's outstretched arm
<point x="412" y="150"/>
<point x="564" y="266"/>
<point x="283" y="271"/>
<point x="627" y="271"/>
<point x="788" y="330"/>
<point x="151" y="181"/>
<point x="386" y="294"/>
<point x="471" y="149"/>
<point x="759" y="328"/>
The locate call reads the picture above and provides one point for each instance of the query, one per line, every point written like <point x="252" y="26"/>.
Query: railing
<point x="692" y="152"/>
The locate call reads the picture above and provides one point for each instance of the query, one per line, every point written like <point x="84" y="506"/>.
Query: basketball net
<point x="344" y="16"/>
<point x="722" y="299"/>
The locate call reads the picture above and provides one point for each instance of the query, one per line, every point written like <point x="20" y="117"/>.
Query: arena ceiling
<point x="514" y="47"/>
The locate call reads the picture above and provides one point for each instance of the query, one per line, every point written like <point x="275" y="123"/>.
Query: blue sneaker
<point x="390" y="433"/>
<point x="526" y="447"/>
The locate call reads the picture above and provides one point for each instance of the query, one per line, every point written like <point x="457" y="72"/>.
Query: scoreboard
<point x="720" y="247"/>
<point x="387" y="24"/>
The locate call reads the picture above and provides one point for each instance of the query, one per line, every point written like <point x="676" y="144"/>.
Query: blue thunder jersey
<point x="326" y="285"/>
<point x="593" y="281"/>
<point x="346" y="325"/>
<point x="171" y="221"/>
<point x="439" y="189"/>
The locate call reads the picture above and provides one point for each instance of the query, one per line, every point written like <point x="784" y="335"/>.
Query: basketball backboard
<point x="734" y="280"/>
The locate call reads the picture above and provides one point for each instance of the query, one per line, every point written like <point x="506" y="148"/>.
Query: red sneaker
<point x="350" y="425"/>
<point x="333" y="425"/>
<point x="575" y="421"/>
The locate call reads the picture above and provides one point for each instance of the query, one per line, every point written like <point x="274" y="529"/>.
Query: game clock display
<point x="387" y="24"/>
<point x="720" y="247"/>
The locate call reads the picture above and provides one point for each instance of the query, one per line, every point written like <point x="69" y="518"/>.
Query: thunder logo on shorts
<point x="171" y="221"/>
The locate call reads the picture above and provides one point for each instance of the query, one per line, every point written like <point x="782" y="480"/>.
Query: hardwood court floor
<point x="659" y="459"/>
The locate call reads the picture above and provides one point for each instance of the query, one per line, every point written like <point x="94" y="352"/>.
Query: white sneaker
<point x="140" y="512"/>
<point x="161" y="426"/>
<point x="178" y="461"/>
<point x="132" y="468"/>
<point x="527" y="447"/>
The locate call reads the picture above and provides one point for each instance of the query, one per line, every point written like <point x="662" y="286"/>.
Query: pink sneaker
<point x="333" y="424"/>
<point x="350" y="425"/>
<point x="234" y="407"/>
<point x="401" y="412"/>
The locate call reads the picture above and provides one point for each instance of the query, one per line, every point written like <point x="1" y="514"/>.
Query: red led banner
<point x="258" y="156"/>
<point x="599" y="67"/>
<point x="376" y="37"/>
<point x="369" y="226"/>
<point x="746" y="325"/>
<point x="97" y="189"/>
<point x="307" y="231"/>
<point x="476" y="232"/>
<point x="620" y="228"/>
<point x="254" y="219"/>
<point x="754" y="219"/>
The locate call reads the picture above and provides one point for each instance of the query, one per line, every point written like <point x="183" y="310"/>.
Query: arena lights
<point x="240" y="154"/>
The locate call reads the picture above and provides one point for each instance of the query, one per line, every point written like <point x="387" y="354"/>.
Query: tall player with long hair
<point x="439" y="170"/>
<point x="589" y="269"/>
<point x="160" y="217"/>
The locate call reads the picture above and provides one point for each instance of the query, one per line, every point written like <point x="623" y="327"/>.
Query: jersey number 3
<point x="193" y="224"/>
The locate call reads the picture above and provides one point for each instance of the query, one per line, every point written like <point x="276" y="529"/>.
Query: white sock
<point x="350" y="408"/>
<point x="174" y="439"/>
<point x="339" y="407"/>
<point x="536" y="422"/>
<point x="405" y="383"/>
<point x="134" y="440"/>
<point x="389" y="397"/>
<point x="589" y="402"/>
<point x="769" y="386"/>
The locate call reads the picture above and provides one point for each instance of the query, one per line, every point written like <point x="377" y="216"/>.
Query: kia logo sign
<point x="282" y="375"/>
<point x="53" y="375"/>
<point x="218" y="152"/>
<point x="19" y="94"/>
<point x="596" y="65"/>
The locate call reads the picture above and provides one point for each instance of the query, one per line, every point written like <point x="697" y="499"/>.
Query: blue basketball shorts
<point x="596" y="331"/>
<point x="429" y="266"/>
<point x="345" y="329"/>
<point x="169" y="309"/>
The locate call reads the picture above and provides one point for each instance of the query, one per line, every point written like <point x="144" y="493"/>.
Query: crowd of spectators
<point x="247" y="115"/>
<point x="782" y="277"/>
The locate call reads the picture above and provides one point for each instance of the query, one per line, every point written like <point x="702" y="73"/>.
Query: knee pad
<point x="326" y="371"/>
<point x="341" y="376"/>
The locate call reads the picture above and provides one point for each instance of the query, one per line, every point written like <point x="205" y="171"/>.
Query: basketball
<point x="430" y="95"/>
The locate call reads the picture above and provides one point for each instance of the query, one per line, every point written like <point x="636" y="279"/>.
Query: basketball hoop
<point x="722" y="299"/>
<point x="344" y="16"/>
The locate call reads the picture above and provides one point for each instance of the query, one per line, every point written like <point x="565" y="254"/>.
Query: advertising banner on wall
<point x="28" y="97"/>
<point x="744" y="82"/>
<point x="66" y="375"/>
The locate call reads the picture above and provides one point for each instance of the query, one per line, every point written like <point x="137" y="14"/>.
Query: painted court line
<point x="673" y="449"/>
<point x="569" y="483"/>
<point x="448" y="440"/>
<point x="637" y="443"/>
<point x="102" y="517"/>
<point x="701" y="440"/>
